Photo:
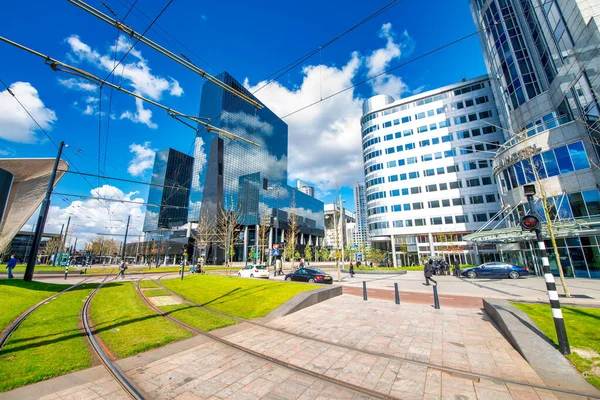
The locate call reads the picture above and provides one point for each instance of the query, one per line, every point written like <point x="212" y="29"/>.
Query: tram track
<point x="97" y="347"/>
<point x="452" y="371"/>
<point x="15" y="324"/>
<point x="346" y="385"/>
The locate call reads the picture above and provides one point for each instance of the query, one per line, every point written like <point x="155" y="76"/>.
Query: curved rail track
<point x="355" y="388"/>
<point x="112" y="369"/>
<point x="15" y="324"/>
<point x="449" y="370"/>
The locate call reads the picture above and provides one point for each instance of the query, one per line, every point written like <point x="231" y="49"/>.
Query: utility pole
<point x="57" y="246"/>
<point x="28" y="250"/>
<point x="531" y="222"/>
<point x="41" y="222"/>
<point x="125" y="239"/>
<point x="64" y="241"/>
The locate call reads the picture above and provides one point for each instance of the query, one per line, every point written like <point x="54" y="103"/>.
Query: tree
<point x="204" y="233"/>
<point x="263" y="233"/>
<point x="251" y="254"/>
<point x="51" y="246"/>
<point x="292" y="232"/>
<point x="227" y="230"/>
<point x="377" y="256"/>
<point x="308" y="252"/>
<point x="324" y="253"/>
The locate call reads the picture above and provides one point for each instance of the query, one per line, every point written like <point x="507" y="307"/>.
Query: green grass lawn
<point x="146" y="283"/>
<point x="127" y="325"/>
<point x="156" y="292"/>
<point x="411" y="268"/>
<point x="39" y="267"/>
<point x="48" y="343"/>
<point x="197" y="317"/>
<point x="241" y="297"/>
<point x="16" y="296"/>
<point x="582" y="330"/>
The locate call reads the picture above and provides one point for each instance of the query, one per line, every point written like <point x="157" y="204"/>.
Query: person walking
<point x="457" y="268"/>
<point x="301" y="264"/>
<point x="280" y="267"/>
<point x="351" y="270"/>
<point x="11" y="264"/>
<point x="428" y="271"/>
<point x="122" y="269"/>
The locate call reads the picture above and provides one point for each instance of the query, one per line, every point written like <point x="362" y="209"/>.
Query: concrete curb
<point x="524" y="335"/>
<point x="403" y="272"/>
<point x="303" y="300"/>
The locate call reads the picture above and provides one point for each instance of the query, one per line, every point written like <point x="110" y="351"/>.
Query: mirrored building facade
<point x="543" y="57"/>
<point x="252" y="179"/>
<point x="169" y="194"/>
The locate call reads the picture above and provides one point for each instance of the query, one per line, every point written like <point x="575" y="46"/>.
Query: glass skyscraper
<point x="169" y="195"/>
<point x="240" y="176"/>
<point x="543" y="58"/>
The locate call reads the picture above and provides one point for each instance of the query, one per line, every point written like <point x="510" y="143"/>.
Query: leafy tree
<point x="324" y="254"/>
<point x="251" y="254"/>
<point x="377" y="256"/>
<point x="308" y="252"/>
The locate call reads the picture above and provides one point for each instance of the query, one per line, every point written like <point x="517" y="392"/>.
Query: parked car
<point x="310" y="275"/>
<point x="496" y="270"/>
<point x="254" y="271"/>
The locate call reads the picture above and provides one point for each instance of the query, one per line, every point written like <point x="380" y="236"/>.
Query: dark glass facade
<point x="168" y="200"/>
<point x="239" y="175"/>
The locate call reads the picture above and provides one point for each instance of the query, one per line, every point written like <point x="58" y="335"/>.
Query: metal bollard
<point x="66" y="271"/>
<point x="436" y="300"/>
<point x="396" y="293"/>
<point x="182" y="270"/>
<point x="364" y="290"/>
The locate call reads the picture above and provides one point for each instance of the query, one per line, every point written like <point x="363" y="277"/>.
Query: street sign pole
<point x="530" y="222"/>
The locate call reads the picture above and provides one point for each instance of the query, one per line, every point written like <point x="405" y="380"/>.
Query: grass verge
<point x="156" y="292"/>
<point x="582" y="331"/>
<point x="127" y="325"/>
<point x="39" y="267"/>
<point x="16" y="296"/>
<point x="197" y="317"/>
<point x="47" y="344"/>
<point x="241" y="297"/>
<point x="385" y="269"/>
<point x="148" y="284"/>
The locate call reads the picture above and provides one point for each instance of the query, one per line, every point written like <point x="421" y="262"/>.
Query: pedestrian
<point x="457" y="268"/>
<point x="301" y="264"/>
<point x="122" y="269"/>
<point x="351" y="270"/>
<point x="428" y="271"/>
<point x="280" y="268"/>
<point x="11" y="264"/>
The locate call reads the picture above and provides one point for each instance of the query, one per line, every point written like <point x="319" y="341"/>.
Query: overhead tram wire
<point x="180" y="60"/>
<point x="121" y="201"/>
<point x="106" y="177"/>
<point x="66" y="68"/>
<point x="44" y="131"/>
<point x="189" y="50"/>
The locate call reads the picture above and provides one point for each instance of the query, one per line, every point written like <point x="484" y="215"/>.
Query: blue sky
<point x="251" y="40"/>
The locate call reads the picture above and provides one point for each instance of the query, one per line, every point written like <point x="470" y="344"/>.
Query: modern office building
<point x="23" y="184"/>
<point x="304" y="188"/>
<point x="169" y="194"/>
<point x="428" y="170"/>
<point x="361" y="236"/>
<point x="251" y="180"/>
<point x="543" y="59"/>
<point x="21" y="243"/>
<point x="336" y="228"/>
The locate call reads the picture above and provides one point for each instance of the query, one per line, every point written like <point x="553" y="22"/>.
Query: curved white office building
<point x="428" y="170"/>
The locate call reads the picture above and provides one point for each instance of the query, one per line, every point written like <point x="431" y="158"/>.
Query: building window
<point x="393" y="178"/>
<point x="486" y="180"/>
<point x="388" y="137"/>
<point x="446" y="203"/>
<point x="419" y="221"/>
<point x="391" y="164"/>
<point x="411" y="160"/>
<point x="436" y="220"/>
<point x="413" y="175"/>
<point x="431" y="188"/>
<point x="458" y="201"/>
<point x="417" y="205"/>
<point x="473" y="182"/>
<point x="480" y="217"/>
<point x="461" y="219"/>
<point x="490" y="198"/>
<point x="415" y="190"/>
<point x="476" y="199"/>
<point x="443" y="186"/>
<point x="448" y="220"/>
<point x="390" y="150"/>
<point x="422" y="129"/>
<point x="434" y="204"/>
<point x="456" y="185"/>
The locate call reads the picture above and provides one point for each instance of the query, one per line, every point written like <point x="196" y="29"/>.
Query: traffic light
<point x="530" y="223"/>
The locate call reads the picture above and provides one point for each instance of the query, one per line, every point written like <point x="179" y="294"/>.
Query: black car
<point x="310" y="275"/>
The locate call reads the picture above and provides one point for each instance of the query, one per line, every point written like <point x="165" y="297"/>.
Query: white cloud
<point x="89" y="110"/>
<point x="78" y="84"/>
<point x="143" y="158"/>
<point x="90" y="217"/>
<point x="15" y="124"/>
<point x="324" y="140"/>
<point x="380" y="60"/>
<point x="91" y="100"/>
<point x="134" y="71"/>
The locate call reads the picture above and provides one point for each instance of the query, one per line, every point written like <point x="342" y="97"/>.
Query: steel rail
<point x="168" y="53"/>
<point x="112" y="369"/>
<point x="450" y="370"/>
<point x="355" y="388"/>
<point x="13" y="327"/>
<point x="57" y="65"/>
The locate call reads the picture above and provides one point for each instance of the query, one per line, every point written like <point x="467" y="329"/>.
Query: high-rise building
<point x="336" y="228"/>
<point x="543" y="59"/>
<point x="252" y="180"/>
<point x="169" y="196"/>
<point x="361" y="238"/>
<point x="428" y="170"/>
<point x="304" y="188"/>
